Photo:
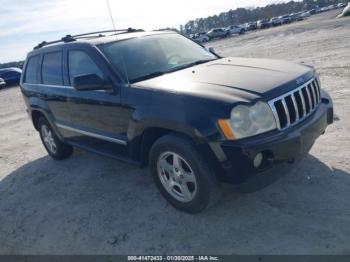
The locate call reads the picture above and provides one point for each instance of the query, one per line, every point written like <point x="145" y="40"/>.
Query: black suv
<point x="158" y="98"/>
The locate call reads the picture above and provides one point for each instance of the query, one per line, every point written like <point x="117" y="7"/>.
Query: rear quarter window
<point x="51" y="71"/>
<point x="30" y="76"/>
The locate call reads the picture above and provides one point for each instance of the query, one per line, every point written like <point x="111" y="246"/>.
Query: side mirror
<point x="90" y="82"/>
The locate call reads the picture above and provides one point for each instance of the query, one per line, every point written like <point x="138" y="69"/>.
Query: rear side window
<point x="51" y="71"/>
<point x="80" y="63"/>
<point x="31" y="71"/>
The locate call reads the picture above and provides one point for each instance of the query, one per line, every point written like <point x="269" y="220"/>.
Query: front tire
<point x="53" y="145"/>
<point x="182" y="175"/>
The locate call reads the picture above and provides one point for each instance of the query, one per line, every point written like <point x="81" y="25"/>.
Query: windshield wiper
<point x="160" y="73"/>
<point x="198" y="62"/>
<point x="151" y="75"/>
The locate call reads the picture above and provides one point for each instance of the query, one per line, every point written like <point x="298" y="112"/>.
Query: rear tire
<point x="182" y="175"/>
<point x="57" y="149"/>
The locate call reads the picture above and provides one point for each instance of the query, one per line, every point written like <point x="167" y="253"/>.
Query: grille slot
<point x="292" y="107"/>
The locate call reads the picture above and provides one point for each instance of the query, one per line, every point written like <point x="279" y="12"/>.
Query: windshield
<point x="150" y="56"/>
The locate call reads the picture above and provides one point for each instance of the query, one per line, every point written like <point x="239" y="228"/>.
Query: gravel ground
<point x="93" y="205"/>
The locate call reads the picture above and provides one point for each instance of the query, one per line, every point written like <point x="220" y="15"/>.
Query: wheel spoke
<point x="186" y="192"/>
<point x="45" y="133"/>
<point x="167" y="182"/>
<point x="176" y="161"/>
<point x="166" y="166"/>
<point x="46" y="140"/>
<point x="188" y="177"/>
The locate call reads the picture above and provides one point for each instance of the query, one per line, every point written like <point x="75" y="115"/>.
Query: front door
<point x="97" y="119"/>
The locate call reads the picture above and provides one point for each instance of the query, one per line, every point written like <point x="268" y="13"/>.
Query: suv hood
<point x="233" y="79"/>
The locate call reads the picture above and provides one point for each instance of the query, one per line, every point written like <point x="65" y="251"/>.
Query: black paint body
<point x="189" y="102"/>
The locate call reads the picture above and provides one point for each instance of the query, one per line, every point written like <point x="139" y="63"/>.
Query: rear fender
<point x="39" y="105"/>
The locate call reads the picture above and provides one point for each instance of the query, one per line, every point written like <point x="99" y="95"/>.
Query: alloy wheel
<point x="48" y="139"/>
<point x="177" y="176"/>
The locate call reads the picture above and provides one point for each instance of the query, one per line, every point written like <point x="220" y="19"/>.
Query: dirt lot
<point x="93" y="205"/>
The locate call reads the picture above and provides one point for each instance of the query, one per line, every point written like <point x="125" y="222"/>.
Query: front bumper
<point x="236" y="158"/>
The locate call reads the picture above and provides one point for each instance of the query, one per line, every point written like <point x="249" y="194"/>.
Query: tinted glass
<point x="146" y="57"/>
<point x="31" y="71"/>
<point x="52" y="69"/>
<point x="80" y="63"/>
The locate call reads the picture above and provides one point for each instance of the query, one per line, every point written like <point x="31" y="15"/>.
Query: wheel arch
<point x="36" y="115"/>
<point x="145" y="136"/>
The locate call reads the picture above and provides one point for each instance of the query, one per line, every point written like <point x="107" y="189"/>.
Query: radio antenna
<point x="120" y="55"/>
<point x="110" y="14"/>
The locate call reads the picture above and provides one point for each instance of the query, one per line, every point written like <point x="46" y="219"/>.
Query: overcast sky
<point x="24" y="23"/>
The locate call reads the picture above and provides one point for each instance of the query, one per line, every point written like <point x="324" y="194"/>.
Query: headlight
<point x="248" y="121"/>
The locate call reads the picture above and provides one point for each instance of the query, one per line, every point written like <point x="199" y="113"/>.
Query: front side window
<point x="31" y="71"/>
<point x="51" y="71"/>
<point x="145" y="57"/>
<point x="80" y="63"/>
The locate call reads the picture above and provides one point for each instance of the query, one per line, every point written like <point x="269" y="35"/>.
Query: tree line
<point x="243" y="15"/>
<point x="235" y="17"/>
<point x="18" y="64"/>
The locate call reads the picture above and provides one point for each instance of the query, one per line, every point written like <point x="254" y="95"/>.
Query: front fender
<point x="193" y="116"/>
<point x="136" y="128"/>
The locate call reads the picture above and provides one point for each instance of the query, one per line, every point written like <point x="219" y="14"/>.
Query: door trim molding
<point x="83" y="132"/>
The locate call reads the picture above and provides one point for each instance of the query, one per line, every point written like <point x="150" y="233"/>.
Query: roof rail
<point x="71" y="38"/>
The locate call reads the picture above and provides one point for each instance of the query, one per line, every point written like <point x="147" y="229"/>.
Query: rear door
<point x="52" y="85"/>
<point x="43" y="85"/>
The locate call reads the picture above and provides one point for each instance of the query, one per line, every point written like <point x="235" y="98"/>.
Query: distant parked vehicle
<point x="217" y="33"/>
<point x="2" y="83"/>
<point x="285" y="19"/>
<point x="235" y="29"/>
<point x="341" y="5"/>
<point x="312" y="11"/>
<point x="296" y="17"/>
<point x="200" y="38"/>
<point x="251" y="26"/>
<point x="11" y="75"/>
<point x="293" y="17"/>
<point x="305" y="14"/>
<point x="275" y="21"/>
<point x="264" y="23"/>
<point x="299" y="16"/>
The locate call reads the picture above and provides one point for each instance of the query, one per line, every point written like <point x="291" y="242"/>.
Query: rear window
<point x="51" y="71"/>
<point x="31" y="71"/>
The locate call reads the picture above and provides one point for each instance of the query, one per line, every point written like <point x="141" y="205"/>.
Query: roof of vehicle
<point x="114" y="38"/>
<point x="100" y="38"/>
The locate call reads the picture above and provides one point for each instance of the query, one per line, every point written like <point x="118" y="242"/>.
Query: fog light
<point x="258" y="160"/>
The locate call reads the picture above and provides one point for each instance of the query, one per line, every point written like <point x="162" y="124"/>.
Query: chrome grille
<point x="292" y="107"/>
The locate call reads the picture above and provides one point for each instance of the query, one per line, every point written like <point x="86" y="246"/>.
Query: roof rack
<point x="71" y="38"/>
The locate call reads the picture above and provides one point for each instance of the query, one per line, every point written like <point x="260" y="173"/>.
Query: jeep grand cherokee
<point x="158" y="98"/>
